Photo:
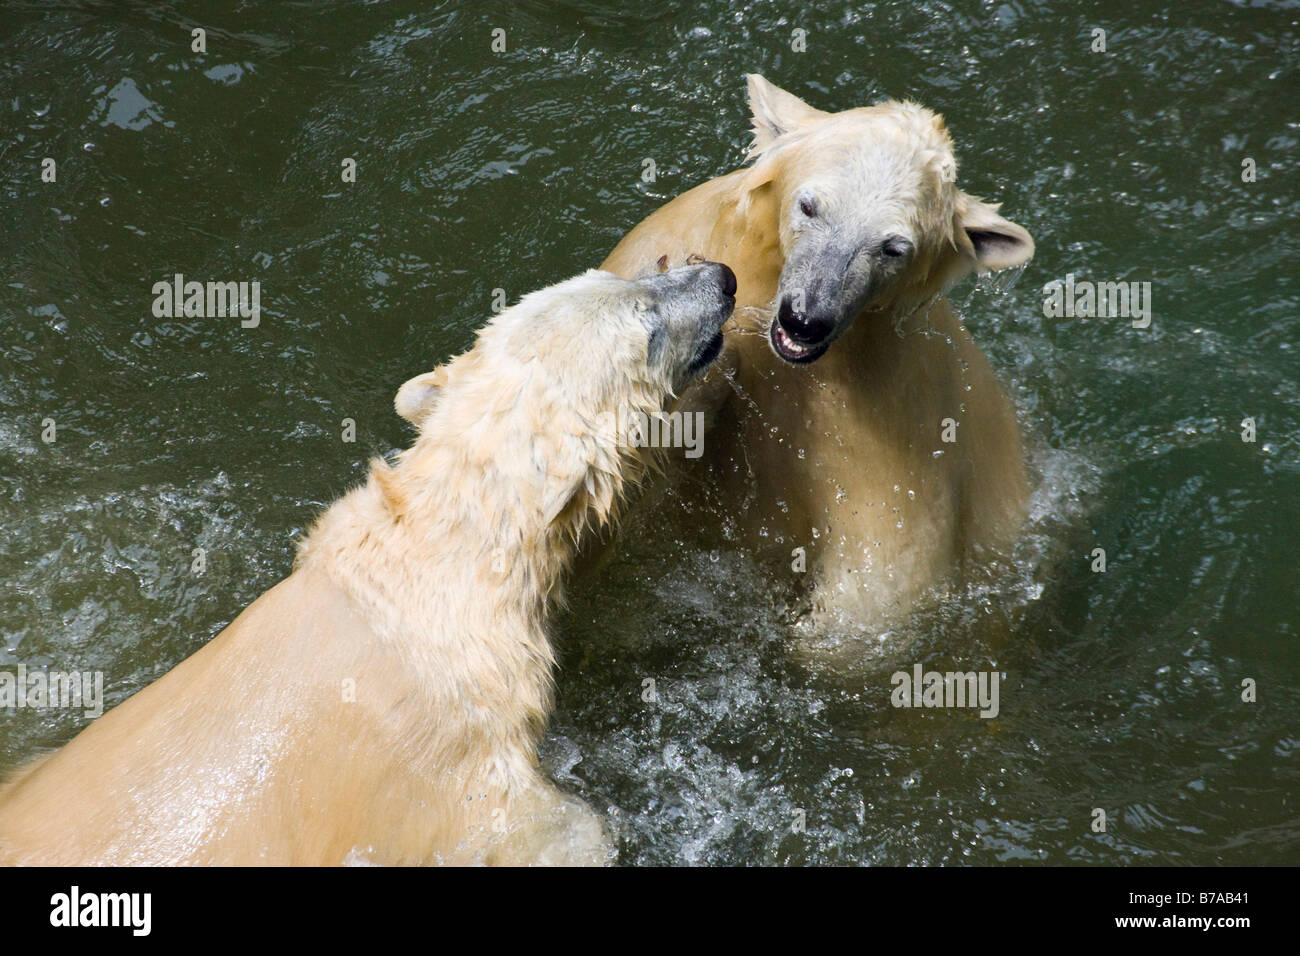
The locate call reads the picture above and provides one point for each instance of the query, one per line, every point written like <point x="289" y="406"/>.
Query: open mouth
<point x="709" y="351"/>
<point x="792" y="351"/>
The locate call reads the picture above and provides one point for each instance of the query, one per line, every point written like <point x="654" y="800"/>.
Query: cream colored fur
<point x="843" y="457"/>
<point x="384" y="703"/>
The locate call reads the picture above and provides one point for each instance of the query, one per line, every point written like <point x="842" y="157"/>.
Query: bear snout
<point x="808" y="327"/>
<point x="728" y="280"/>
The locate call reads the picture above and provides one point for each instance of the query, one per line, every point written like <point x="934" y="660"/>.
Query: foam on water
<point x="710" y="771"/>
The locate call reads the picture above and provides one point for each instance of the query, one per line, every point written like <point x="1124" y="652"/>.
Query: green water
<point x="479" y="171"/>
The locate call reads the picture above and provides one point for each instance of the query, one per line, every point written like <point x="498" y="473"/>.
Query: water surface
<point x="479" y="171"/>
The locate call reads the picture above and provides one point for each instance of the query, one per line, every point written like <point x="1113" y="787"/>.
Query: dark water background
<point x="479" y="171"/>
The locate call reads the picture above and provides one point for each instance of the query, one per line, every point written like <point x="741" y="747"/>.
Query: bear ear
<point x="997" y="243"/>
<point x="775" y="112"/>
<point x="417" y="398"/>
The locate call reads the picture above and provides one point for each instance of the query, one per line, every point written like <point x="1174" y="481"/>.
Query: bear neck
<point x="456" y="555"/>
<point x="459" y="597"/>
<point x="470" y="518"/>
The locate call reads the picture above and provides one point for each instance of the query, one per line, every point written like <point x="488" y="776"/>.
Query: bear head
<point x="870" y="215"/>
<point x="536" y="403"/>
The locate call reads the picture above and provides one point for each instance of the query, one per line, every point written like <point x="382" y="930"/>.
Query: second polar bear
<point x="859" y="428"/>
<point x="384" y="703"/>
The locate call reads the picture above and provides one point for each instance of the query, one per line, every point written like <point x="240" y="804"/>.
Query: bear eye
<point x="895" y="246"/>
<point x="808" y="207"/>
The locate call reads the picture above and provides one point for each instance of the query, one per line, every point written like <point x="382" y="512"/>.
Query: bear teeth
<point x="788" y="343"/>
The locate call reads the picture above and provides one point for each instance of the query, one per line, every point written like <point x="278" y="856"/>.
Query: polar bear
<point x="383" y="704"/>
<point x="861" y="441"/>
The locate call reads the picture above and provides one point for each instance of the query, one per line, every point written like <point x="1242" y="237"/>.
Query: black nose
<point x="804" y="328"/>
<point x="728" y="279"/>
